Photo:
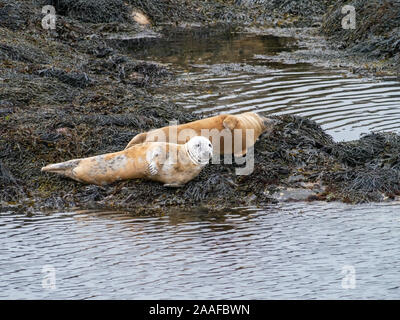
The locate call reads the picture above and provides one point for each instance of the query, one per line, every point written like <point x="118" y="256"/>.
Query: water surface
<point x="285" y="251"/>
<point x="233" y="74"/>
<point x="295" y="251"/>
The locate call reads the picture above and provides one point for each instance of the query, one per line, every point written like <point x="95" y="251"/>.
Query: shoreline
<point x="69" y="94"/>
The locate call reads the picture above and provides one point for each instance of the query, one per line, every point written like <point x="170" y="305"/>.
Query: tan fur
<point x="140" y="17"/>
<point x="224" y="124"/>
<point x="171" y="161"/>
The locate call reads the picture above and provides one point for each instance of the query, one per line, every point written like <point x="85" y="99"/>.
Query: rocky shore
<point x="72" y="92"/>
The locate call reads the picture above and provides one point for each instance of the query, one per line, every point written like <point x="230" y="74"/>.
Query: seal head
<point x="199" y="150"/>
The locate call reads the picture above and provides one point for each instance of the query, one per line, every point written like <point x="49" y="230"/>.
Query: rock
<point x="295" y="178"/>
<point x="290" y="194"/>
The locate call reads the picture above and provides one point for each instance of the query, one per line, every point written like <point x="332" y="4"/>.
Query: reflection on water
<point x="181" y="49"/>
<point x="283" y="251"/>
<point x="344" y="104"/>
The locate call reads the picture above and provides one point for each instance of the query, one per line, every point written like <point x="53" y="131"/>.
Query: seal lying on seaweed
<point x="228" y="133"/>
<point x="172" y="164"/>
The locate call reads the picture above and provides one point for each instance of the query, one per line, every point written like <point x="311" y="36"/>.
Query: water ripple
<point x="283" y="251"/>
<point x="344" y="104"/>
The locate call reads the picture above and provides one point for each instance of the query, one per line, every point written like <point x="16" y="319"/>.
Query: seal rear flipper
<point x="63" y="168"/>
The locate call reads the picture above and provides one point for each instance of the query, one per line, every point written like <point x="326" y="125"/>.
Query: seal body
<point x="169" y="163"/>
<point x="228" y="133"/>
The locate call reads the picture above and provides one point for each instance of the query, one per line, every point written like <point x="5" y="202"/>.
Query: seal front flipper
<point x="152" y="156"/>
<point x="152" y="167"/>
<point x="139" y="138"/>
<point x="230" y="122"/>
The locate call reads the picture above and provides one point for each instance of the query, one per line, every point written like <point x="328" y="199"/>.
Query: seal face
<point x="170" y="163"/>
<point x="199" y="150"/>
<point x="228" y="133"/>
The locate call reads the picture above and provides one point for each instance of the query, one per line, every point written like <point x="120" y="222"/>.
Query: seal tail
<point x="63" y="168"/>
<point x="104" y="168"/>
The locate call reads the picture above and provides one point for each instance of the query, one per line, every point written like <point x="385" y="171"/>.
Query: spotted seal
<point x="169" y="163"/>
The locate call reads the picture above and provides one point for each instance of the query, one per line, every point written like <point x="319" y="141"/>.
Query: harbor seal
<point x="169" y="163"/>
<point x="228" y="133"/>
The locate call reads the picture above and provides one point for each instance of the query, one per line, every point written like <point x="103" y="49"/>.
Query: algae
<point x="71" y="93"/>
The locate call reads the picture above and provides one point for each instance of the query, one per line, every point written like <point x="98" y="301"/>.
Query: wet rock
<point x="295" y="178"/>
<point x="228" y="68"/>
<point x="290" y="194"/>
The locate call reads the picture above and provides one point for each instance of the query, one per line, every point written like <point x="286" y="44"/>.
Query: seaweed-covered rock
<point x="18" y="15"/>
<point x="296" y="7"/>
<point x="74" y="79"/>
<point x="364" y="184"/>
<point x="140" y="73"/>
<point x="371" y="171"/>
<point x="69" y="94"/>
<point x="22" y="53"/>
<point x="375" y="149"/>
<point x="377" y="27"/>
<point x="9" y="186"/>
<point x="284" y="13"/>
<point x="94" y="11"/>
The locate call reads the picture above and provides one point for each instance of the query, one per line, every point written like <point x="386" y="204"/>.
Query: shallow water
<point x="283" y="251"/>
<point x="245" y="79"/>
<point x="292" y="250"/>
